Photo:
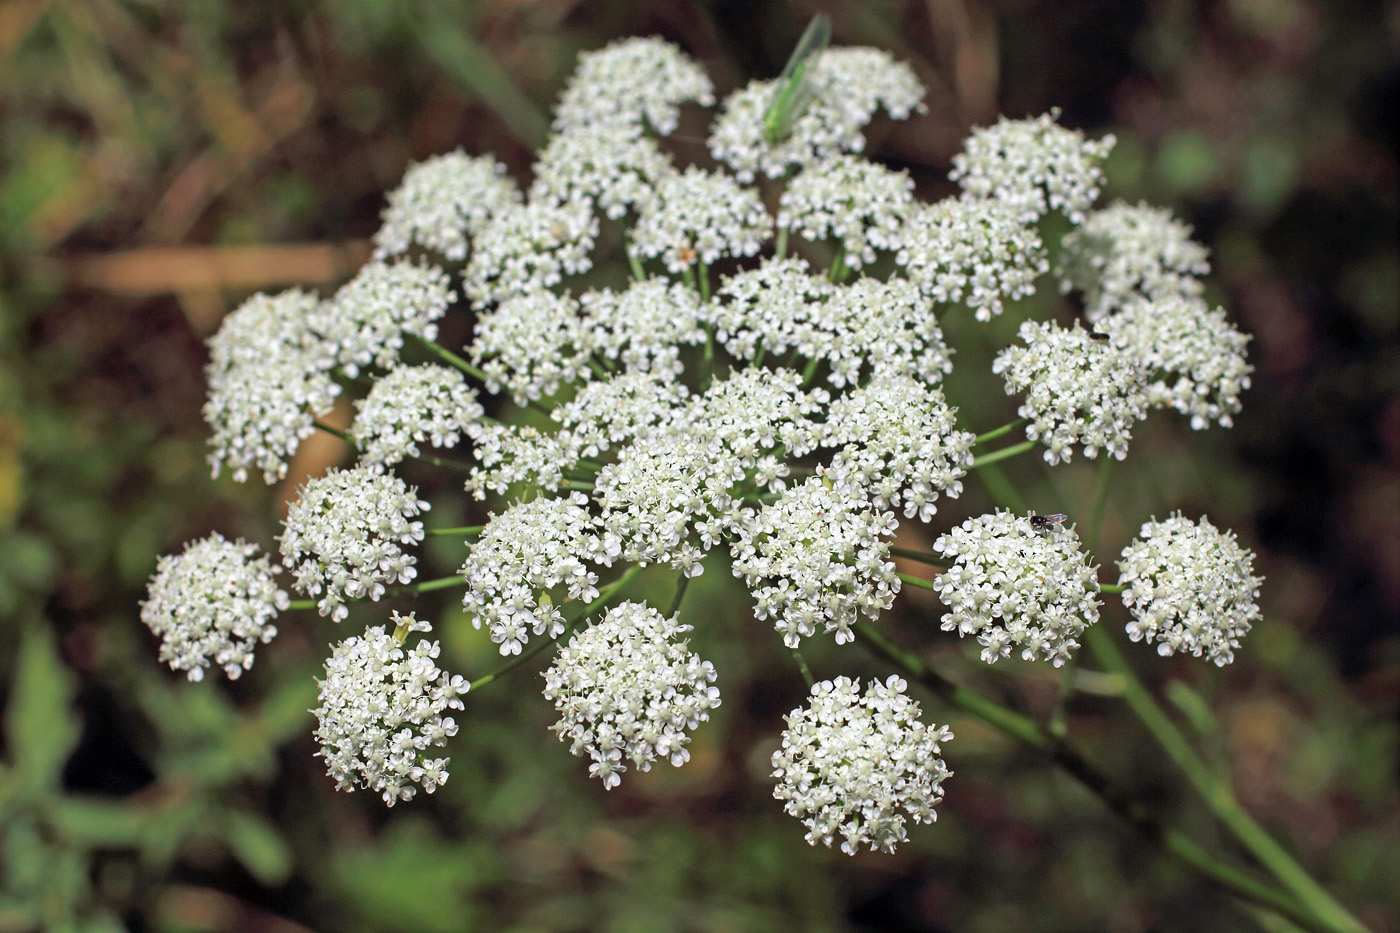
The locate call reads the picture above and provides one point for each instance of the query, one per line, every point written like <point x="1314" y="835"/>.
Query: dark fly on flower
<point x="795" y="91"/>
<point x="1046" y="522"/>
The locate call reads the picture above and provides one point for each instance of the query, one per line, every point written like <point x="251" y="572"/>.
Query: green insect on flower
<point x="795" y="90"/>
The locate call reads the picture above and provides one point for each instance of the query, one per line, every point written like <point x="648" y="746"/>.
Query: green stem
<point x="1022" y="728"/>
<point x="1003" y="454"/>
<point x="999" y="432"/>
<point x="1003" y="491"/>
<point x="1101" y="490"/>
<point x="681" y="585"/>
<point x="923" y="557"/>
<point x="1215" y="791"/>
<point x="343" y="435"/>
<point x="450" y="358"/>
<point x="464" y="531"/>
<point x="918" y="581"/>
<point x="704" y="276"/>
<point x="780" y="247"/>
<point x="802" y="667"/>
<point x="636" y="264"/>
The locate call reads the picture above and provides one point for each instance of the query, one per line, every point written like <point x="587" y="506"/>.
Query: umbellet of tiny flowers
<point x="1078" y="390"/>
<point x="629" y="690"/>
<point x="860" y="767"/>
<point x="900" y="439"/>
<point x="847" y="86"/>
<point x="755" y="411"/>
<point x="971" y="250"/>
<point x="821" y="545"/>
<point x="1124" y="252"/>
<point x="529" y="247"/>
<point x="213" y="603"/>
<point x="1015" y="586"/>
<point x="700" y="215"/>
<point x="887" y="328"/>
<point x="528" y="548"/>
<point x="344" y="536"/>
<point x="633" y="83"/>
<point x="442" y="204"/>
<point x="862" y="205"/>
<point x="1193" y="355"/>
<point x="643" y="326"/>
<point x="530" y="344"/>
<point x="1190" y="587"/>
<point x="608" y="165"/>
<point x="269" y="378"/>
<point x="772" y="308"/>
<point x="381" y="709"/>
<point x="607" y="413"/>
<point x="1033" y="166"/>
<point x="507" y="454"/>
<point x="365" y="322"/>
<point x="412" y="405"/>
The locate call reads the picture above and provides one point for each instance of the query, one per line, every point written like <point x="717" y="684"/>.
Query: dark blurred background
<point x="160" y="161"/>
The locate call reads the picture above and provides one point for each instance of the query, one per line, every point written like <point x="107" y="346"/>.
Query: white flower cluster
<point x="530" y="246"/>
<point x="822" y="544"/>
<point x="608" y="165"/>
<point x="700" y="215"/>
<point x="643" y="327"/>
<point x="530" y="344"/>
<point x="1033" y="166"/>
<point x="863" y="205"/>
<point x="343" y="537"/>
<point x="1124" y="252"/>
<point x="633" y="83"/>
<point x="364" y="324"/>
<point x="608" y="413"/>
<point x="628" y="689"/>
<point x="381" y="709"/>
<point x="528" y="548"/>
<point x="412" y="405"/>
<point x="1078" y="390"/>
<point x="974" y="251"/>
<point x="268" y="380"/>
<point x="845" y="87"/>
<point x="213" y="603"/>
<point x="1193" y="357"/>
<point x="900" y="442"/>
<point x="520" y="453"/>
<point x="1013" y="585"/>
<point x="1190" y="588"/>
<point x="860" y="767"/>
<point x="442" y="203"/>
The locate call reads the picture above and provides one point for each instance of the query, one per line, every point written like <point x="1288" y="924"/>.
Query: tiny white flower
<point x="213" y="603"/>
<point x="629" y="690"/>
<point x="859" y="767"/>
<point x="1014" y="586"/>
<point x="412" y="405"/>
<point x="1189" y="587"/>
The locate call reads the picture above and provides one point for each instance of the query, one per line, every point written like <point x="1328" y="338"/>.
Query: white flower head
<point x="900" y="442"/>
<point x="364" y="324"/>
<point x="700" y="215"/>
<point x="507" y="454"/>
<point x="644" y="326"/>
<point x="531" y="547"/>
<point x="634" y="83"/>
<point x="607" y="413"/>
<point x="772" y="308"/>
<point x="1124" y="252"/>
<point x="860" y="767"/>
<point x="1194" y="356"/>
<point x="977" y="252"/>
<point x="412" y="405"/>
<point x="817" y="557"/>
<point x="1015" y="586"/>
<point x="1190" y="587"/>
<point x="443" y="203"/>
<point x="530" y="344"/>
<point x="629" y="691"/>
<point x="1078" y="390"/>
<point x="213" y="603"/>
<point x="344" y="537"/>
<point x="1033" y="166"/>
<point x="530" y="247"/>
<point x="269" y="379"/>
<point x="381" y="710"/>
<point x="608" y="165"/>
<point x="847" y="86"/>
<point x="860" y="204"/>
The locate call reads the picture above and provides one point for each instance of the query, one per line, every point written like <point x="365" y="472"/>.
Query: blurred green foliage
<point x="132" y="799"/>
